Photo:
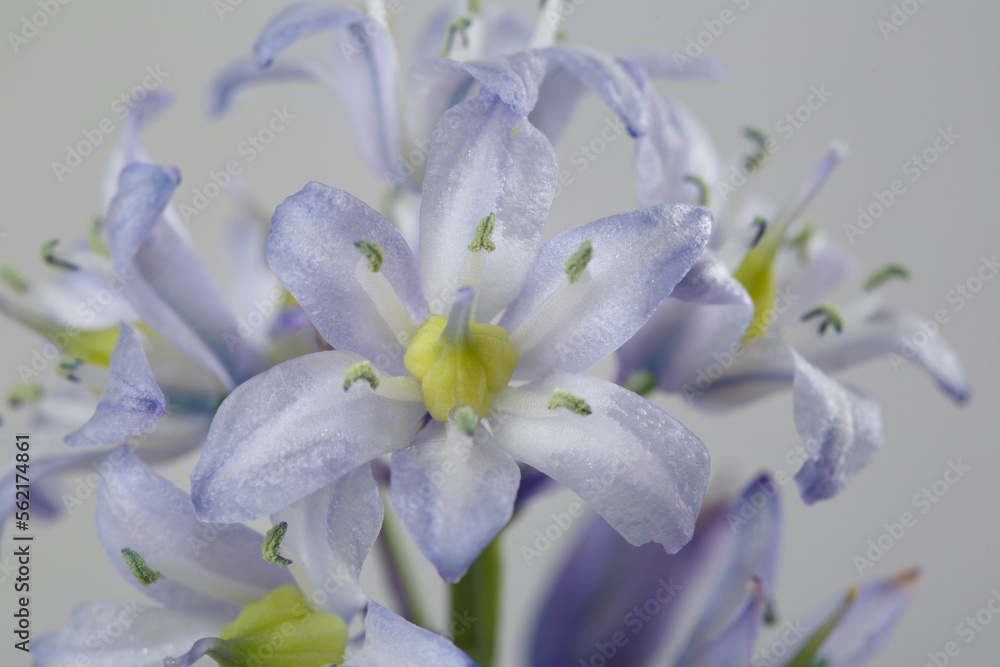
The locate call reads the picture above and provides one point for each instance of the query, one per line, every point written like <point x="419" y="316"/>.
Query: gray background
<point x="890" y="96"/>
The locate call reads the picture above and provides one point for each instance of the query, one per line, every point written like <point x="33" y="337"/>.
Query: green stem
<point x="475" y="607"/>
<point x="402" y="580"/>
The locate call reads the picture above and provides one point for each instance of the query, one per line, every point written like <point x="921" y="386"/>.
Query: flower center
<point x="459" y="361"/>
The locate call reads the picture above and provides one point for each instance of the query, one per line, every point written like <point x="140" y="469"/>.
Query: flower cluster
<point x="430" y="360"/>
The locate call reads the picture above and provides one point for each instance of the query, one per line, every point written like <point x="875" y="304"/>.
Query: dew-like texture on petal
<point x="638" y="257"/>
<point x="145" y="635"/>
<point x="733" y="645"/>
<point x="290" y="431"/>
<point x="311" y="249"/>
<point x="890" y="331"/>
<point x="640" y="468"/>
<point x="604" y="579"/>
<point x="330" y="532"/>
<point x="868" y="623"/>
<point x="573" y="70"/>
<point x="486" y="159"/>
<point x="392" y="640"/>
<point x="472" y="485"/>
<point x="702" y="321"/>
<point x="840" y="426"/>
<point x="752" y="554"/>
<point x="131" y="401"/>
<point x="363" y="59"/>
<point x="203" y="566"/>
<point x="243" y="73"/>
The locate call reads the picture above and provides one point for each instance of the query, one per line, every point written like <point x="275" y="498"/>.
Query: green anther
<point x="372" y="252"/>
<point x="886" y="273"/>
<point x="360" y="371"/>
<point x="142" y="572"/>
<point x="13" y="278"/>
<point x="458" y="25"/>
<point x="484" y="232"/>
<point x="475" y="6"/>
<point x="578" y="261"/>
<point x="760" y="222"/>
<point x="807" y="656"/>
<point x="96" y="243"/>
<point x="702" y="188"/>
<point x="756" y="157"/>
<point x="831" y="317"/>
<point x="66" y="366"/>
<point x="465" y="418"/>
<point x="641" y="382"/>
<point x="272" y="542"/>
<point x="564" y="399"/>
<point x="24" y="393"/>
<point x="49" y="256"/>
<point x="801" y="241"/>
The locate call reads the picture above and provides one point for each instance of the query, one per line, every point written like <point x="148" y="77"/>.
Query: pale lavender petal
<point x="329" y="535"/>
<point x="245" y="72"/>
<point x="641" y="469"/>
<point x="678" y="65"/>
<point x="392" y="640"/>
<point x="455" y="493"/>
<point x="803" y="283"/>
<point x="129" y="148"/>
<point x="363" y="59"/>
<point x="840" y="426"/>
<point x="311" y="247"/>
<point x="203" y="566"/>
<point x="293" y="429"/>
<point x="733" y="645"/>
<point x="144" y="191"/>
<point x="487" y="159"/>
<point x="637" y="259"/>
<point x="901" y="336"/>
<point x="868" y="623"/>
<point x="702" y="321"/>
<point x="123" y="634"/>
<point x="131" y="401"/>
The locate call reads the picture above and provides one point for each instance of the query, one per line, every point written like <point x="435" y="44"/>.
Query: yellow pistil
<point x="467" y="365"/>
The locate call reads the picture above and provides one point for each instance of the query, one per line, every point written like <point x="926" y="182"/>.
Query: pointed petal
<point x="840" y="426"/>
<point x="865" y="628"/>
<point x="889" y="331"/>
<point x="573" y="70"/>
<point x="131" y="401"/>
<point x="704" y="317"/>
<point x="245" y="72"/>
<point x="146" y="635"/>
<point x="330" y="533"/>
<point x="293" y="429"/>
<point x="392" y="640"/>
<point x="751" y="555"/>
<point x="363" y="58"/>
<point x="203" y="566"/>
<point x="454" y="493"/>
<point x="311" y="247"/>
<point x="641" y="469"/>
<point x="143" y="193"/>
<point x="129" y="148"/>
<point x="486" y="159"/>
<point x="733" y="645"/>
<point x="637" y="259"/>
